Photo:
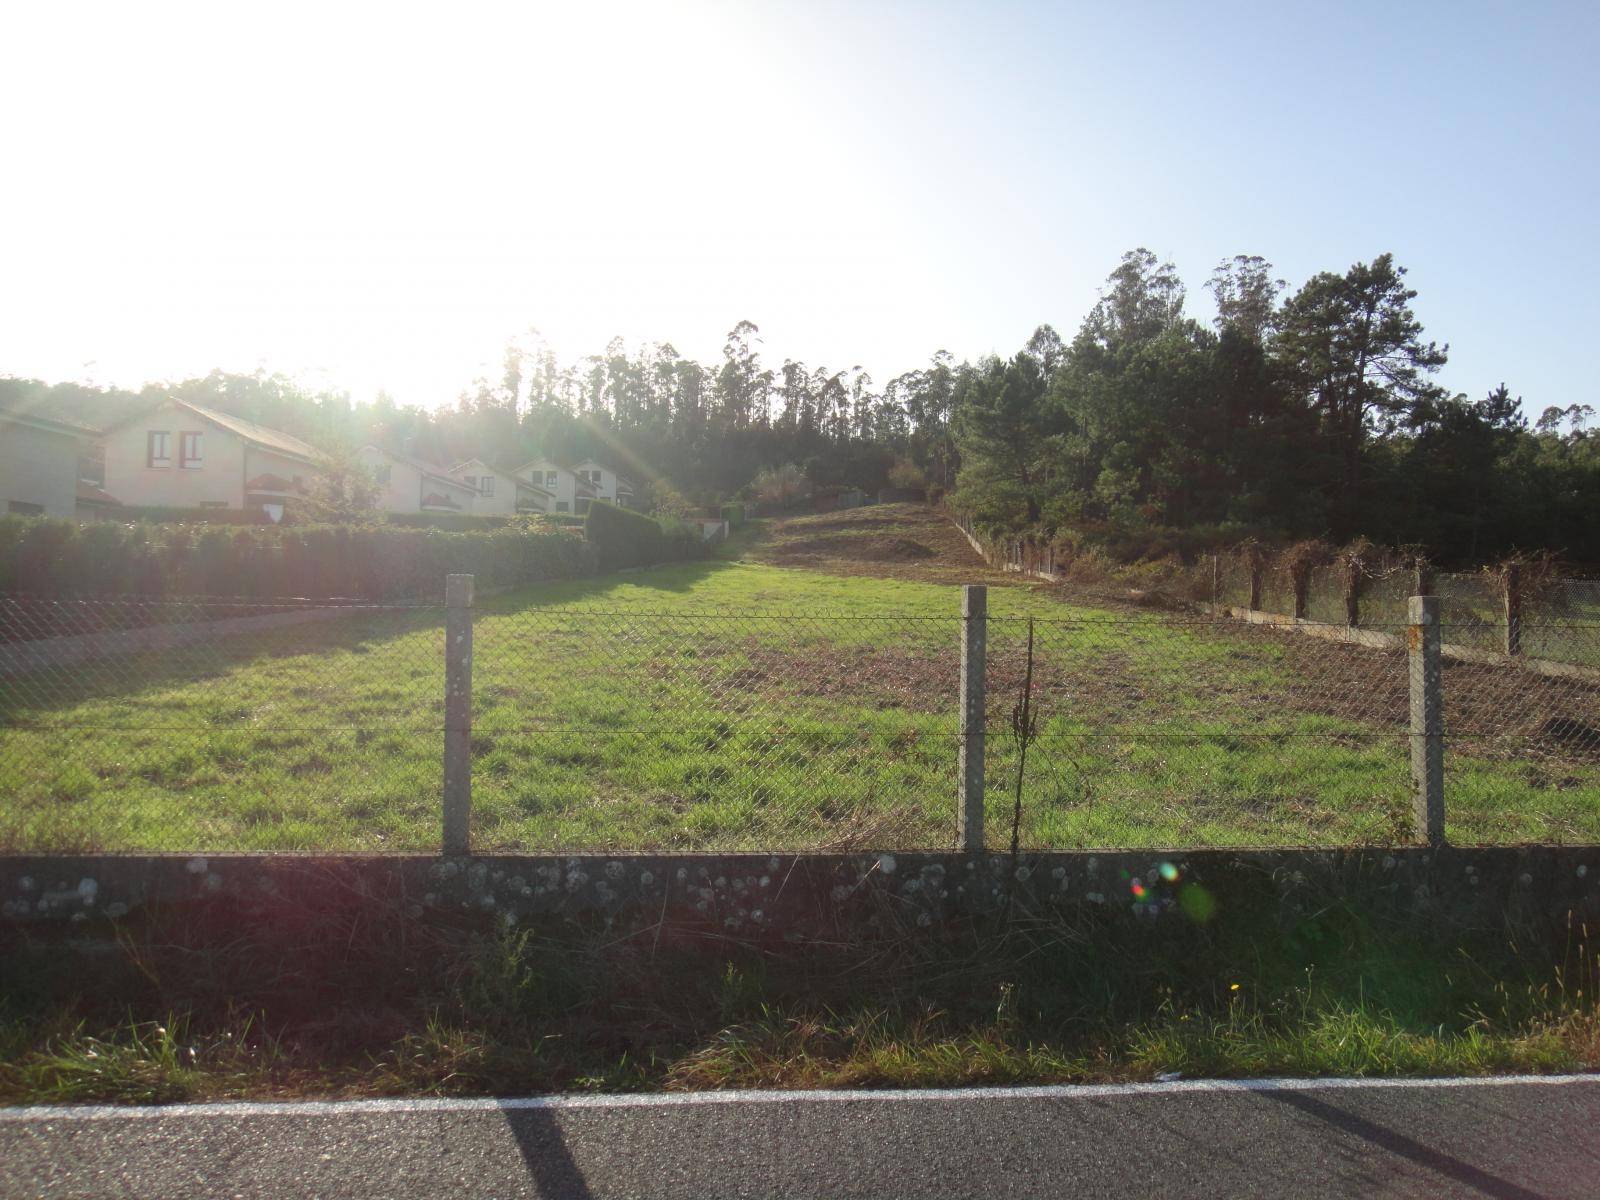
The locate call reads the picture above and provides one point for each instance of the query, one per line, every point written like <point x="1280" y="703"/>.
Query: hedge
<point x="158" y="515"/>
<point x="623" y="538"/>
<point x="450" y="522"/>
<point x="45" y="556"/>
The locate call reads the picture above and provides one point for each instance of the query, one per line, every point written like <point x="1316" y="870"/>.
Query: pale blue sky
<point x="380" y="196"/>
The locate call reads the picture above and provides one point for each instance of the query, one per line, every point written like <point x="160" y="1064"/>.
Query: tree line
<point x="1313" y="414"/>
<point x="1307" y="414"/>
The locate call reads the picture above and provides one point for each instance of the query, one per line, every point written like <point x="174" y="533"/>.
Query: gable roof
<point x="429" y="470"/>
<point x="543" y="460"/>
<point x="257" y="435"/>
<point x="583" y="486"/>
<point x="33" y="420"/>
<point x="595" y="462"/>
<point x="468" y="464"/>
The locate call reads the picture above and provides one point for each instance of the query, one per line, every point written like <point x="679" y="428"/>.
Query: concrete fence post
<point x="1255" y="583"/>
<point x="1216" y="579"/>
<point x="974" y="660"/>
<point x="1352" y="595"/>
<point x="1423" y="639"/>
<point x="458" y="714"/>
<point x="1513" y="601"/>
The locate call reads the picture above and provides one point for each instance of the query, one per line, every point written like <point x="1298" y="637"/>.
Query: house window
<point x="549" y="479"/>
<point x="23" y="509"/>
<point x="188" y="450"/>
<point x="92" y="466"/>
<point x="561" y="506"/>
<point x="382" y="474"/>
<point x="486" y="485"/>
<point x="156" y="451"/>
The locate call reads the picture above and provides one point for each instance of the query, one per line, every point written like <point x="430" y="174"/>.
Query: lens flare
<point x="1169" y="872"/>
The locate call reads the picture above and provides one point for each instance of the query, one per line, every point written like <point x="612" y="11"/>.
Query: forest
<point x="1312" y="413"/>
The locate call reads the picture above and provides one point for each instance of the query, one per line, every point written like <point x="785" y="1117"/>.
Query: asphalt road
<point x="1501" y="1138"/>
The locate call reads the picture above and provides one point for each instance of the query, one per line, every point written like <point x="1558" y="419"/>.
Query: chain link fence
<point x="210" y="725"/>
<point x="1178" y="730"/>
<point x="629" y="729"/>
<point x="202" y="724"/>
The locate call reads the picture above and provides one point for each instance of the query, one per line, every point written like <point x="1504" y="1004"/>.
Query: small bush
<point x="733" y="514"/>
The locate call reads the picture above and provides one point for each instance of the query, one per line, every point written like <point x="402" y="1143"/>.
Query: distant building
<point x="39" y="464"/>
<point x="409" y="485"/>
<point x="607" y="483"/>
<point x="500" y="493"/>
<point x="571" y="492"/>
<point x="180" y="455"/>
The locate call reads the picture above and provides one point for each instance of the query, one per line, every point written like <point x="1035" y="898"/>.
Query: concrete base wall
<point x="809" y="893"/>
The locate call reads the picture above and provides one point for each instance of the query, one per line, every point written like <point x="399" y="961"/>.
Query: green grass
<point x="708" y="706"/>
<point x="324" y="990"/>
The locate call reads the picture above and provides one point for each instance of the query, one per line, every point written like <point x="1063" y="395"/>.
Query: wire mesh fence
<point x="726" y="731"/>
<point x="206" y="725"/>
<point x="1384" y="597"/>
<point x="162" y="724"/>
<point x="1178" y="730"/>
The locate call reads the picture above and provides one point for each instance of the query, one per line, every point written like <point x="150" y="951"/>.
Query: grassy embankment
<point x="324" y="992"/>
<point x="730" y="725"/>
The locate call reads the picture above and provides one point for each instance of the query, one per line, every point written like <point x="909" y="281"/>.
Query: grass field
<point x="801" y="694"/>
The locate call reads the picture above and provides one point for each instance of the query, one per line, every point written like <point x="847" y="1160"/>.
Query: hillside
<point x="899" y="541"/>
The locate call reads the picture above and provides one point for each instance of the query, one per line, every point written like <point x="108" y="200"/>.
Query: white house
<point x="409" y="485"/>
<point x="501" y="493"/>
<point x="570" y="492"/>
<point x="39" y="464"/>
<point x="181" y="455"/>
<point x="607" y="484"/>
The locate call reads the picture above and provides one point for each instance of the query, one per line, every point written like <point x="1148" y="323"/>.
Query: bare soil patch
<point x="892" y="541"/>
<point x="1490" y="711"/>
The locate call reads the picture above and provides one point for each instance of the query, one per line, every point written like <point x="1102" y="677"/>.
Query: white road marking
<point x="1086" y="1091"/>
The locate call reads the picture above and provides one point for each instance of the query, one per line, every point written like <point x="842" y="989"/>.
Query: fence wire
<point x="208" y="725"/>
<point x="726" y="731"/>
<point x="199" y="724"/>
<point x="1175" y="730"/>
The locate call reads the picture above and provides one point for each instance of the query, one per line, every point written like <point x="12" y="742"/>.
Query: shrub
<point x="905" y="475"/>
<point x="161" y="515"/>
<point x="450" y="522"/>
<point x="43" y="556"/>
<point x="454" y="522"/>
<point x="733" y="514"/>
<point x="623" y="538"/>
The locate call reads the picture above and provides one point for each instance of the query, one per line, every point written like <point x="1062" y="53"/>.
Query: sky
<point x="381" y="196"/>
